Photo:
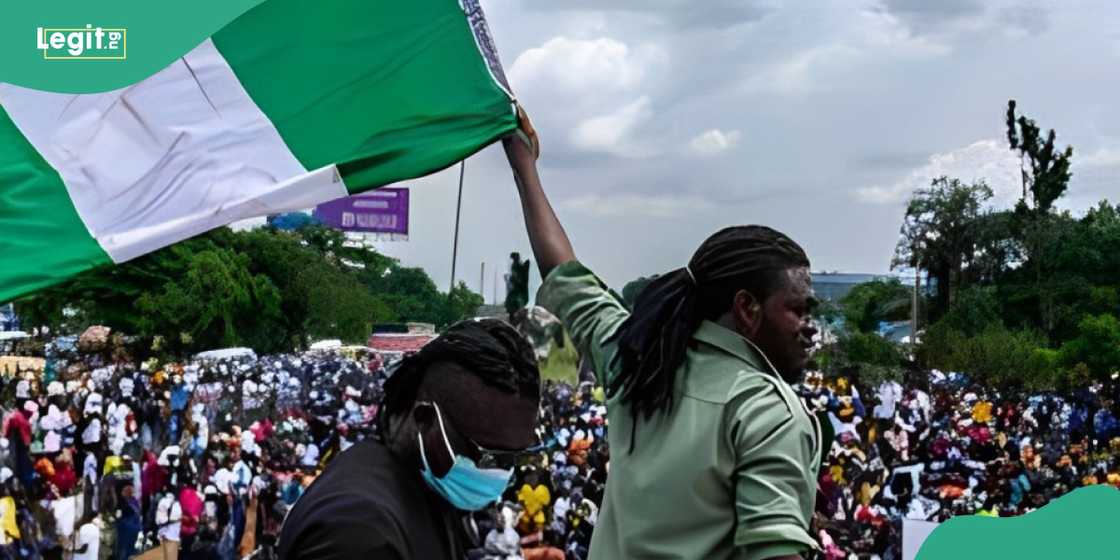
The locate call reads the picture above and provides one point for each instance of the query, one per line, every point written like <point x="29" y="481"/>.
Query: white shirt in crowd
<point x="89" y="468"/>
<point x="242" y="475"/>
<point x="92" y="433"/>
<point x="223" y="477"/>
<point x="89" y="536"/>
<point x="168" y="516"/>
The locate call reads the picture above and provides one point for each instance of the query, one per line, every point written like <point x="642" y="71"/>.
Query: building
<point x="393" y="342"/>
<point x="833" y="286"/>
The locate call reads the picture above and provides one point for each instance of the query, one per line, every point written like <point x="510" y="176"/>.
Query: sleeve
<point x="590" y="312"/>
<point x="770" y="479"/>
<point x="344" y="541"/>
<point x="339" y="526"/>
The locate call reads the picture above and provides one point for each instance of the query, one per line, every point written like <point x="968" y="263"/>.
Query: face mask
<point x="465" y="486"/>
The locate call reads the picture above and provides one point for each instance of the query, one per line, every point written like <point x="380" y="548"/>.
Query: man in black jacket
<point x="455" y="416"/>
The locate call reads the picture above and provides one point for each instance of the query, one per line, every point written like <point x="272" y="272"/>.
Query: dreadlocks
<point x="653" y="340"/>
<point x="489" y="348"/>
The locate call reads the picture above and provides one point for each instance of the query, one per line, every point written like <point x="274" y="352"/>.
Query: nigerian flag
<point x="292" y="104"/>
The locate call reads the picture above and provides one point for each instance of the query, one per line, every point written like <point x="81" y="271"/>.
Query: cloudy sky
<point x="664" y="120"/>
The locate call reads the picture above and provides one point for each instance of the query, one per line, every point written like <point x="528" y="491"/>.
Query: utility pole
<point x="482" y="281"/>
<point x="458" y="210"/>
<point x="914" y="307"/>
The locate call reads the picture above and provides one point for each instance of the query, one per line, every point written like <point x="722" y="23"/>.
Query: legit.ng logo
<point x="88" y="43"/>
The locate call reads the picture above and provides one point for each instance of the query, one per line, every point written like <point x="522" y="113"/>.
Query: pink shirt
<point x="191" y="505"/>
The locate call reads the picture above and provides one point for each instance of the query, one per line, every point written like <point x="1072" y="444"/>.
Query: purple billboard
<point x="383" y="210"/>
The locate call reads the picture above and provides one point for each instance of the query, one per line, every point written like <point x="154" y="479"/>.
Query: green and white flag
<point x="293" y="104"/>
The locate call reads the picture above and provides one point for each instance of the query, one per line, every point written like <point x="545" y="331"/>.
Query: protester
<point x="708" y="349"/>
<point x="453" y="414"/>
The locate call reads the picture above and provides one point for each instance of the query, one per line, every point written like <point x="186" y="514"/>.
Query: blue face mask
<point x="465" y="486"/>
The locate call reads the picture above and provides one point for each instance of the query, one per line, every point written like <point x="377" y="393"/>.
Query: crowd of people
<point x="104" y="458"/>
<point x="938" y="445"/>
<point x="550" y="510"/>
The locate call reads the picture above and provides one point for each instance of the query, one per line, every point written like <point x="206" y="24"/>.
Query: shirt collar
<point x="733" y="343"/>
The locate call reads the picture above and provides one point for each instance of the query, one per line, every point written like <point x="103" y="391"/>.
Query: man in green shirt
<point x="713" y="455"/>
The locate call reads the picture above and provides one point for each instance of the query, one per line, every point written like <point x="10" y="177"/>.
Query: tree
<point x="1097" y="346"/>
<point x="1049" y="173"/>
<point x="977" y="309"/>
<point x="460" y="303"/>
<point x="996" y="355"/>
<point x="871" y="303"/>
<point x="338" y="305"/>
<point x="940" y="234"/>
<point x="1046" y="180"/>
<point x="870" y="356"/>
<point x="411" y="294"/>
<point x="218" y="303"/>
<point x="283" y="256"/>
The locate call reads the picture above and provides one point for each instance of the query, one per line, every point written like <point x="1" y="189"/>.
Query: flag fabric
<point x="290" y="105"/>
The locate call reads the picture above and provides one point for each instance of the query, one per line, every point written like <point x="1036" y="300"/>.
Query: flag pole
<point x="458" y="210"/>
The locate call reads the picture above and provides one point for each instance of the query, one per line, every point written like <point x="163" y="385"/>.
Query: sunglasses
<point x="484" y="457"/>
<point x="494" y="458"/>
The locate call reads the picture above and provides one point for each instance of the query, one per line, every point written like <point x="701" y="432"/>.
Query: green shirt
<point x="729" y="472"/>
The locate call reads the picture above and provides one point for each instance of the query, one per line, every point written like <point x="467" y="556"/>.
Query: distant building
<point x="393" y="342"/>
<point x="489" y="311"/>
<point x="833" y="286"/>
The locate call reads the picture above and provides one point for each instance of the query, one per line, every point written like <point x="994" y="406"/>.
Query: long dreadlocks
<point x="653" y="340"/>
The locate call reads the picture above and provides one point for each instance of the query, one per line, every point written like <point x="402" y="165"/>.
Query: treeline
<point x="1023" y="297"/>
<point x="265" y="288"/>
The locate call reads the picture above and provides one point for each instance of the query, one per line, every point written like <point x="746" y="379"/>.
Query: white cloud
<point x="849" y="41"/>
<point x="583" y="66"/>
<point x="613" y="133"/>
<point x="629" y="204"/>
<point x="1103" y="157"/>
<point x="987" y="160"/>
<point x="714" y="141"/>
<point x="593" y="93"/>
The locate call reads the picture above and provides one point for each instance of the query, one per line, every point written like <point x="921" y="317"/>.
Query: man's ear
<point x="747" y="311"/>
<point x="424" y="414"/>
<point x="435" y="447"/>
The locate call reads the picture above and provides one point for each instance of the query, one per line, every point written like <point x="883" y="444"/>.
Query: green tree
<point x="871" y="349"/>
<point x="996" y="355"/>
<point x="282" y="256"/>
<point x="1045" y="172"/>
<point x="940" y="234"/>
<point x="461" y="303"/>
<point x="1097" y="346"/>
<point x="1048" y="177"/>
<point x="411" y="294"/>
<point x="338" y="305"/>
<point x="977" y="309"/>
<point x="107" y="295"/>
<point x="870" y="303"/>
<point x="217" y="302"/>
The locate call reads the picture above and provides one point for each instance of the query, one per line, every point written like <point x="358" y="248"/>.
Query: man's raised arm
<point x="550" y="243"/>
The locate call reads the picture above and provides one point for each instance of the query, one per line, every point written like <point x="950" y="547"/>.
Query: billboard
<point x="381" y="211"/>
